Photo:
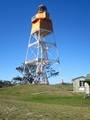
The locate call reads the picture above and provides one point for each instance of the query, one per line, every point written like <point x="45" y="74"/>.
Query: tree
<point x="5" y="83"/>
<point x="28" y="73"/>
<point x="1" y="84"/>
<point x="51" y="72"/>
<point x="17" y="79"/>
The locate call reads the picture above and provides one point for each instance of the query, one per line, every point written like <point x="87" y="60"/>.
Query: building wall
<point x="87" y="89"/>
<point x="75" y="85"/>
<point x="78" y="85"/>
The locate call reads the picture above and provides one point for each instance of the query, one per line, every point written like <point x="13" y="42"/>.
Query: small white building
<point x="82" y="84"/>
<point x="87" y="85"/>
<point x="78" y="84"/>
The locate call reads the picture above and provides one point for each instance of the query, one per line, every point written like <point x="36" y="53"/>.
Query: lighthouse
<point x="39" y="46"/>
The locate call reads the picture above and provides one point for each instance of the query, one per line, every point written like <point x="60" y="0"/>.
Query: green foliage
<point x="29" y="74"/>
<point x="5" y="83"/>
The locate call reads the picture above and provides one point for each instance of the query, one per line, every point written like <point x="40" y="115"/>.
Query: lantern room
<point x="41" y="22"/>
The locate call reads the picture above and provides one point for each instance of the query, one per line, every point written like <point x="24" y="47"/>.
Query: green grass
<point x="43" y="102"/>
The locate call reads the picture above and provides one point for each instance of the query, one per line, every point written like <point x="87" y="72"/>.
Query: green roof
<point x="87" y="79"/>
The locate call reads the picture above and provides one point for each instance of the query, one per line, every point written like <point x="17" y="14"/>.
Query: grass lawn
<point x="43" y="102"/>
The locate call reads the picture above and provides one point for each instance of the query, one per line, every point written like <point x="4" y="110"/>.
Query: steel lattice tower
<point x="38" y="46"/>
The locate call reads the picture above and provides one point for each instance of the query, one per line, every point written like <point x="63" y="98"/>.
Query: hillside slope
<point x="43" y="102"/>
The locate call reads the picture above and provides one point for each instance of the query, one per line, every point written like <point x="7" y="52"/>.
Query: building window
<point x="81" y="83"/>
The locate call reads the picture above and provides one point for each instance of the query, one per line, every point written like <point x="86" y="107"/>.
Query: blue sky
<point x="71" y="21"/>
